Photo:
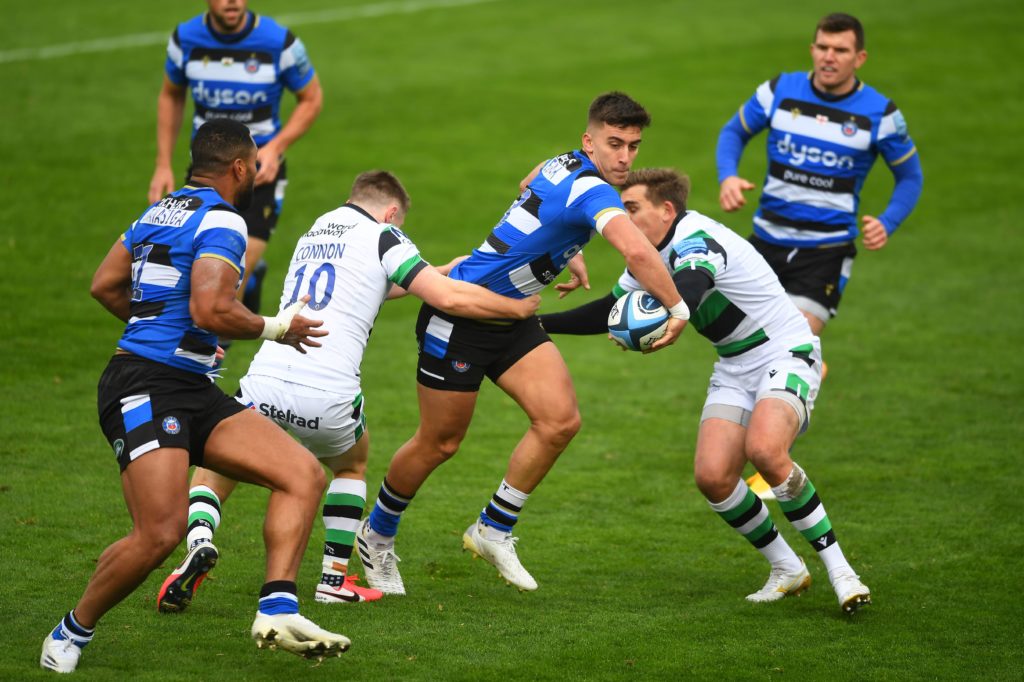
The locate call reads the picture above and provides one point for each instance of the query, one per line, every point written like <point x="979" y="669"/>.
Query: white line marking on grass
<point x="326" y="16"/>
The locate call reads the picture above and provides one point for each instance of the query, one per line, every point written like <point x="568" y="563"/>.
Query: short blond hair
<point x="379" y="187"/>
<point x="662" y="184"/>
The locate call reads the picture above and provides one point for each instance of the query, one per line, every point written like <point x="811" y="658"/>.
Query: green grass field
<point x="916" y="441"/>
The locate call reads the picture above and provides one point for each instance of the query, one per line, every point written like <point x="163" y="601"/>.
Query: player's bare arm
<point x="170" y="108"/>
<point x="111" y="284"/>
<point x="645" y="263"/>
<point x="730" y="196"/>
<point x="213" y="307"/>
<point x="309" y="101"/>
<point x="469" y="300"/>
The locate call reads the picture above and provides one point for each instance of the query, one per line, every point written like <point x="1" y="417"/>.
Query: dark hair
<point x="838" y="23"/>
<point x="217" y="144"/>
<point x="380" y="187"/>
<point x="663" y="184"/>
<point x="618" y="109"/>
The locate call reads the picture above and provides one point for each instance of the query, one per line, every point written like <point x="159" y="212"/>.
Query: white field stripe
<point x="380" y="9"/>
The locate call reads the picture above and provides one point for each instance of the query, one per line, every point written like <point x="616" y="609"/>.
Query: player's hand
<point x="219" y="355"/>
<point x="161" y="184"/>
<point x="672" y="332"/>
<point x="292" y="329"/>
<point x="450" y="265"/>
<point x="528" y="306"/>
<point x="873" y="233"/>
<point x="268" y="162"/>
<point x="579" y="277"/>
<point x="730" y="196"/>
<point x="302" y="332"/>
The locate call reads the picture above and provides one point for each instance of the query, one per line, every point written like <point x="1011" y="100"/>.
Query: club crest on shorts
<point x="171" y="425"/>
<point x="460" y="366"/>
<point x="118" y="447"/>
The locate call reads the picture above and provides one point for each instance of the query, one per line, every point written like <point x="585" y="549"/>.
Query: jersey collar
<point x="671" y="233"/>
<point x="857" y="87"/>
<point x="358" y="209"/>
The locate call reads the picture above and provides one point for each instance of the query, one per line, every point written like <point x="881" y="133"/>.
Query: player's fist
<point x="873" y="233"/>
<point x="528" y="306"/>
<point x="730" y="195"/>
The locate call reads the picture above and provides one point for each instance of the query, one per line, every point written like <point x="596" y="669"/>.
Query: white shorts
<point x="329" y="424"/>
<point x="792" y="376"/>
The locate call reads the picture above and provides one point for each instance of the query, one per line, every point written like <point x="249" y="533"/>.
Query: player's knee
<point x="714" y="485"/>
<point x="160" y="540"/>
<point x="770" y="457"/>
<point x="560" y="429"/>
<point x="446" y="446"/>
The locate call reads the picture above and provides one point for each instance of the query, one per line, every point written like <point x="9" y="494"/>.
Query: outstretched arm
<point x="469" y="300"/>
<point x="646" y="265"/>
<point x="589" y="318"/>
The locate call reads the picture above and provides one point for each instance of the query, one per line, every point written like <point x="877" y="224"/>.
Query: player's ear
<point x="588" y="141"/>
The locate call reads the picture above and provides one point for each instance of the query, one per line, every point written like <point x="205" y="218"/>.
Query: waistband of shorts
<point x="128" y="358"/>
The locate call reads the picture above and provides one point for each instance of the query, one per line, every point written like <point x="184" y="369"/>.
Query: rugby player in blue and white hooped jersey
<point x="563" y="203"/>
<point x="825" y="130"/>
<point x="237" y="65"/>
<point x="172" y="278"/>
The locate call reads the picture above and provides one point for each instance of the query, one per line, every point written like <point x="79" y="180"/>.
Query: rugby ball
<point x="637" y="320"/>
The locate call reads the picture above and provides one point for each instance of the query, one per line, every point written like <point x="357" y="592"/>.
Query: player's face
<point x="836" y="60"/>
<point x="228" y="15"/>
<point x="612" y="149"/>
<point x="649" y="217"/>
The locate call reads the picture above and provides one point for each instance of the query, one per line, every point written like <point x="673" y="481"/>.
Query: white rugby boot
<point x="501" y="553"/>
<point x="380" y="563"/>
<point x="59" y="654"/>
<point x="850" y="591"/>
<point x="783" y="584"/>
<point x="297" y="635"/>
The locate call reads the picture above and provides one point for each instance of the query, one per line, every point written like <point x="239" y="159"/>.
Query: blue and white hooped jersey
<point x="550" y="222"/>
<point x="820" y="151"/>
<point x="192" y="223"/>
<point x="238" y="76"/>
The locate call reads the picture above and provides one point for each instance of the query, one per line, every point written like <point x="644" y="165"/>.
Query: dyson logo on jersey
<point x="288" y="417"/>
<point x="215" y="97"/>
<point x="802" y="153"/>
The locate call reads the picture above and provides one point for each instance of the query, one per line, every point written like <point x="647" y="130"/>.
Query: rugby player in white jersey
<point x="763" y="386"/>
<point x="348" y="263"/>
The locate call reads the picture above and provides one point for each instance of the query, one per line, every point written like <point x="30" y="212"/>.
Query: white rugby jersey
<point x="347" y="263"/>
<point x="746" y="312"/>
